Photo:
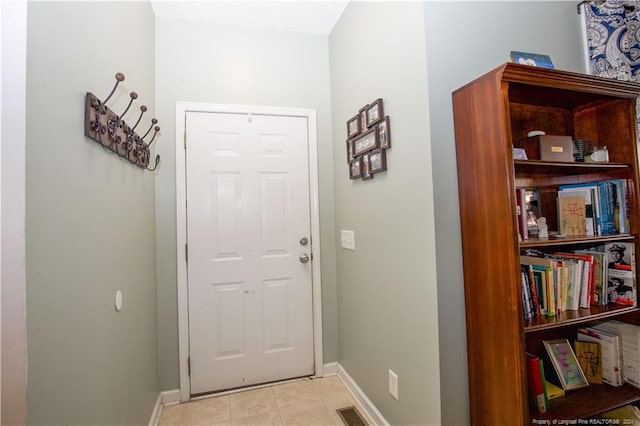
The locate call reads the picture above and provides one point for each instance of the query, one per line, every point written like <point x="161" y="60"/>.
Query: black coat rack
<point x="110" y="130"/>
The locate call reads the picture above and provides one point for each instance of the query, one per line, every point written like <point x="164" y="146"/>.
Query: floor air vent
<point x="351" y="417"/>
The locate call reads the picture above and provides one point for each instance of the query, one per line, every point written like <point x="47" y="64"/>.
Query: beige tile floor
<point x="304" y="402"/>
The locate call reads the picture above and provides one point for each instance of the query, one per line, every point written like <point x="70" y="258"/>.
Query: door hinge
<point x="189" y="365"/>
<point x="185" y="140"/>
<point x="186" y="252"/>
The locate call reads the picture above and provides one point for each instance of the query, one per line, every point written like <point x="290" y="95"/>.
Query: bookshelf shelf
<point x="549" y="242"/>
<point x="589" y="402"/>
<point x="565" y="318"/>
<point x="555" y="167"/>
<point x="492" y="114"/>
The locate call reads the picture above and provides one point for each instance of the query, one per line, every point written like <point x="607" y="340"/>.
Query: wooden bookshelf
<point x="493" y="114"/>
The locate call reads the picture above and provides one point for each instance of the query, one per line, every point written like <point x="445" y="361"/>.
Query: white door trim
<point x="181" y="217"/>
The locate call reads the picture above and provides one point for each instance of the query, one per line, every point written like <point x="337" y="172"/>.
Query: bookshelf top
<point x="585" y="87"/>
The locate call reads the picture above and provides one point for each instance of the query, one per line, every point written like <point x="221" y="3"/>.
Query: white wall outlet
<point x="348" y="239"/>
<point x="393" y="384"/>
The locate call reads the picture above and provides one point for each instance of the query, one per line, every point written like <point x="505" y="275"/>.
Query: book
<point x="586" y="262"/>
<point x="607" y="213"/>
<point x="535" y="383"/>
<point x="590" y="359"/>
<point x="599" y="289"/>
<point x="630" y="336"/>
<point x="611" y="351"/>
<point x="627" y="415"/>
<point x="546" y="267"/>
<point x="621" y="279"/>
<point x="572" y="215"/>
<point x="590" y="193"/>
<point x="553" y="391"/>
<point x="586" y="193"/>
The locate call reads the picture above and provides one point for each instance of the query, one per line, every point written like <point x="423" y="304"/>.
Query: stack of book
<point x="593" y="208"/>
<point x="629" y="335"/>
<point x="574" y="280"/>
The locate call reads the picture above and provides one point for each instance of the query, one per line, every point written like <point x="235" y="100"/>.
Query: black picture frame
<point x="366" y="142"/>
<point x="353" y="126"/>
<point x="377" y="160"/>
<point x="384" y="133"/>
<point x="374" y="112"/>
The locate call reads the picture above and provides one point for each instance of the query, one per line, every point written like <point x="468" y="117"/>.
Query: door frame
<point x="181" y="220"/>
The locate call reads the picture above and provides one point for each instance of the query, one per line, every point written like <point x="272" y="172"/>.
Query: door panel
<point x="250" y="305"/>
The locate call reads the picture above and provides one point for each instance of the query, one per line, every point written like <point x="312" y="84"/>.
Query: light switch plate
<point x="348" y="239"/>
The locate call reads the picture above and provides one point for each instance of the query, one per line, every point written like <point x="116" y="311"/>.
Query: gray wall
<point x="224" y="64"/>
<point x="90" y="220"/>
<point x="464" y="40"/>
<point x="387" y="299"/>
<point x="12" y="137"/>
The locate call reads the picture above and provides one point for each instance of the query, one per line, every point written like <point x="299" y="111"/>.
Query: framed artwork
<point x="374" y="112"/>
<point x="366" y="142"/>
<point x="366" y="167"/>
<point x="355" y="169"/>
<point x="378" y="160"/>
<point x="353" y="126"/>
<point x="565" y="364"/>
<point x="368" y="138"/>
<point x="363" y="118"/>
<point x="384" y="133"/>
<point x="350" y="156"/>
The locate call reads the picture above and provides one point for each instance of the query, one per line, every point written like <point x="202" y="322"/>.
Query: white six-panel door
<point x="249" y="293"/>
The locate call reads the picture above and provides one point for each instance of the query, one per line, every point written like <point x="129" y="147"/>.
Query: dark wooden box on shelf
<point x="492" y="114"/>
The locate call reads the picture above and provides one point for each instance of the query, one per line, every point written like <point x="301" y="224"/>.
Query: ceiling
<point x="314" y="17"/>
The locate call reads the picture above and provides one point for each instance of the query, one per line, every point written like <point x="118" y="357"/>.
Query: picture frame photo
<point x="355" y="169"/>
<point x="533" y="59"/>
<point x="378" y="160"/>
<point x="353" y="126"/>
<point x="384" y="133"/>
<point x="565" y="364"/>
<point x="366" y="168"/>
<point x="374" y="112"/>
<point x="350" y="156"/>
<point x="363" y="118"/>
<point x="366" y="142"/>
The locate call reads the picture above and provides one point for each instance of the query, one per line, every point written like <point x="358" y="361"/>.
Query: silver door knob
<point x="304" y="258"/>
<point x="304" y="241"/>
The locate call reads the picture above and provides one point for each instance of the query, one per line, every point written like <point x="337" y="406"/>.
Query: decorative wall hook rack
<point x="111" y="131"/>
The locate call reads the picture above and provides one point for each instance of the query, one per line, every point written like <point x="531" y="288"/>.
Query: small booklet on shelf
<point x="611" y="350"/>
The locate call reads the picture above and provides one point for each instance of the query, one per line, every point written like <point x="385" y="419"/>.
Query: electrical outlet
<point x="393" y="384"/>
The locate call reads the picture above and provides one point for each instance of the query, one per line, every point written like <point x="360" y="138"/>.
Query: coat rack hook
<point x="119" y="78"/>
<point x="110" y="130"/>
<point x="157" y="129"/>
<point x="132" y="95"/>
<point x="143" y="109"/>
<point x="156" y="165"/>
<point x="153" y="121"/>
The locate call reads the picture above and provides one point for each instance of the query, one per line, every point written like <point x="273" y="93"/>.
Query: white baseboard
<point x="157" y="409"/>
<point x="374" y="414"/>
<point x="330" y="369"/>
<point x="170" y="397"/>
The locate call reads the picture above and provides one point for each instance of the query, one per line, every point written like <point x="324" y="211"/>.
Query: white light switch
<point x="348" y="239"/>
